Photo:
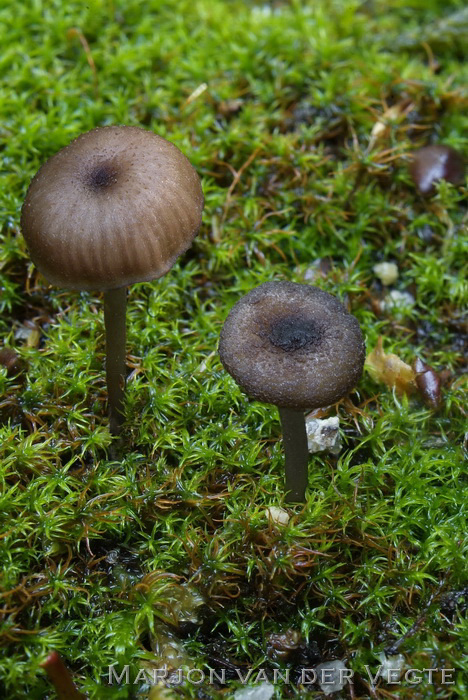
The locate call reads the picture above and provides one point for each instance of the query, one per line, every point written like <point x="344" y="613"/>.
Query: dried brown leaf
<point x="389" y="369"/>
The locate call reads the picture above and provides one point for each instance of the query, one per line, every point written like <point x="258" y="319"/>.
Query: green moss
<point x="99" y="539"/>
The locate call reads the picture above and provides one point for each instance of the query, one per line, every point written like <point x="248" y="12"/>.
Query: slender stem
<point x="296" y="454"/>
<point x="115" y="302"/>
<point x="60" y="677"/>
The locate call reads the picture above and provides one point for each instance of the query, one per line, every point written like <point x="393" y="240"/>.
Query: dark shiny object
<point x="434" y="163"/>
<point x="428" y="383"/>
<point x="10" y="359"/>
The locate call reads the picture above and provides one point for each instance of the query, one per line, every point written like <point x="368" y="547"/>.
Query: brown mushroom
<point x="297" y="347"/>
<point x="116" y="206"/>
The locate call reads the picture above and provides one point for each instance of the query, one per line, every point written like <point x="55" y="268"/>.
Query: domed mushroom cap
<point x="116" y="206"/>
<point x="433" y="163"/>
<point x="292" y="345"/>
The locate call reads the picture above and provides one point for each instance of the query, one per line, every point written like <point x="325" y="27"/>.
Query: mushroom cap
<point x="116" y="206"/>
<point x="433" y="163"/>
<point x="292" y="345"/>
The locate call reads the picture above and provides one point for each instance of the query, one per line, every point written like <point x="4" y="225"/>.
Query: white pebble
<point x="279" y="516"/>
<point x="323" y="434"/>
<point x="397" y="301"/>
<point x="391" y="667"/>
<point x="264" y="691"/>
<point x="387" y="272"/>
<point x="331" y="676"/>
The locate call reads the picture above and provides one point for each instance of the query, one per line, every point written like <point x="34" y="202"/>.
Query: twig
<point x="393" y="648"/>
<point x="75" y="32"/>
<point x="236" y="180"/>
<point x="60" y="677"/>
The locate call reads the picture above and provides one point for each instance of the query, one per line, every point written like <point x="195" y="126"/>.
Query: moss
<point x="99" y="540"/>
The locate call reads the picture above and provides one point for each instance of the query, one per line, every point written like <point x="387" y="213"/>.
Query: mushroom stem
<point x="115" y="302"/>
<point x="296" y="454"/>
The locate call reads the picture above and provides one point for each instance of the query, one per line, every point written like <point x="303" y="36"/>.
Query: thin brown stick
<point x="60" y="677"/>
<point x="236" y="180"/>
<point x="75" y="32"/>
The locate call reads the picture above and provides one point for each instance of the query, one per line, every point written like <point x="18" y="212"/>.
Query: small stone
<point x="323" y="434"/>
<point x="387" y="272"/>
<point x="227" y="107"/>
<point x="397" y="301"/>
<point x="264" y="691"/>
<point x="279" y="516"/>
<point x="391" y="667"/>
<point x="30" y="333"/>
<point x="318" y="268"/>
<point x="426" y="233"/>
<point x="331" y="676"/>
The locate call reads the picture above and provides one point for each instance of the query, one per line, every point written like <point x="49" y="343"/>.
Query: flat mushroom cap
<point x="115" y="207"/>
<point x="292" y="345"/>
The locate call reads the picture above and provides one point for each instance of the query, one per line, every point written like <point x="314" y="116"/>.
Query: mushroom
<point x="434" y="163"/>
<point x="116" y="206"/>
<point x="297" y="347"/>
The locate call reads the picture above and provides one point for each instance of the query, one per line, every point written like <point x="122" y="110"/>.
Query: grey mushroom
<point x="294" y="346"/>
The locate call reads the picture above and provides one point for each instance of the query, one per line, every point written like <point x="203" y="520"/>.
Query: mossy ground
<point x="276" y="105"/>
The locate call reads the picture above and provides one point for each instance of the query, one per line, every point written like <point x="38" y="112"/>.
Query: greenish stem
<point x="115" y="302"/>
<point x="296" y="454"/>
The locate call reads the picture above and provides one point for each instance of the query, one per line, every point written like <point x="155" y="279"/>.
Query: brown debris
<point x="226" y="108"/>
<point x="420" y="377"/>
<point x="282" y="644"/>
<point x="10" y="359"/>
<point x="428" y="383"/>
<point x="389" y="369"/>
<point x="60" y="677"/>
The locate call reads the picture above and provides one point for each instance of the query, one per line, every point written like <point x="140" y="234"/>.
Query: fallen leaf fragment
<point x="389" y="369"/>
<point x="278" y="516"/>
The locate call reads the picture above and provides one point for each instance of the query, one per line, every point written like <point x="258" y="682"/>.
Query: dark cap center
<point x="293" y="333"/>
<point x="101" y="176"/>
